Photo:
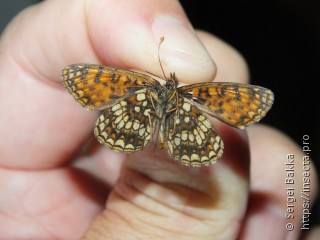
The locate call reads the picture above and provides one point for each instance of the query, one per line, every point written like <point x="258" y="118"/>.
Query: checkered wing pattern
<point x="190" y="137"/>
<point x="128" y="125"/>
<point x="97" y="87"/>
<point x="238" y="105"/>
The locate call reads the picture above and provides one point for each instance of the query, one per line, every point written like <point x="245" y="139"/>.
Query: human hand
<point x="55" y="178"/>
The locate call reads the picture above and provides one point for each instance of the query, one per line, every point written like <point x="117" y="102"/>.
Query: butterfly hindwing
<point x="128" y="125"/>
<point x="189" y="136"/>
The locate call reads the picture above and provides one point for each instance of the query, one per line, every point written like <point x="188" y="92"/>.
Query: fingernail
<point x="182" y="52"/>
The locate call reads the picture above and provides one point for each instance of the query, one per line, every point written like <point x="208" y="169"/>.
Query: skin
<point x="57" y="182"/>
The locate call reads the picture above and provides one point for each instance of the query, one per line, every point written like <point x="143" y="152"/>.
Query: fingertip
<point x="182" y="52"/>
<point x="135" y="43"/>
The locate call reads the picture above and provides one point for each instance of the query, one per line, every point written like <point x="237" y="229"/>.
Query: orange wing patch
<point x="238" y="105"/>
<point x="96" y="87"/>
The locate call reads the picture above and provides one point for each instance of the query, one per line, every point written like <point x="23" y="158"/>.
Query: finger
<point x="123" y="34"/>
<point x="280" y="186"/>
<point x="231" y="66"/>
<point x="156" y="196"/>
<point x="138" y="36"/>
<point x="40" y="119"/>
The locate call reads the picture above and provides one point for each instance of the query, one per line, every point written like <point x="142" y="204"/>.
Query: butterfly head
<point x="172" y="82"/>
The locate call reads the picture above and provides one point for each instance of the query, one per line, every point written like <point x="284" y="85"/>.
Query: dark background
<point x="281" y="42"/>
<point x="280" y="39"/>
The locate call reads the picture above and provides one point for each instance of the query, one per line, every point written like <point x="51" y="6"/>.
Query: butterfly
<point x="134" y="106"/>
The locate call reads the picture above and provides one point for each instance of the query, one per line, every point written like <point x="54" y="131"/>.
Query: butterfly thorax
<point x="166" y="97"/>
<point x="165" y="104"/>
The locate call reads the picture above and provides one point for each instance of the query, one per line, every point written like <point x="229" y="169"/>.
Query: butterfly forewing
<point x="96" y="87"/>
<point x="190" y="137"/>
<point x="238" y="105"/>
<point x="128" y="125"/>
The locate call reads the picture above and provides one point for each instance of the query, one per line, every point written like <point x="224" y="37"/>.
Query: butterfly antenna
<point x="161" y="41"/>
